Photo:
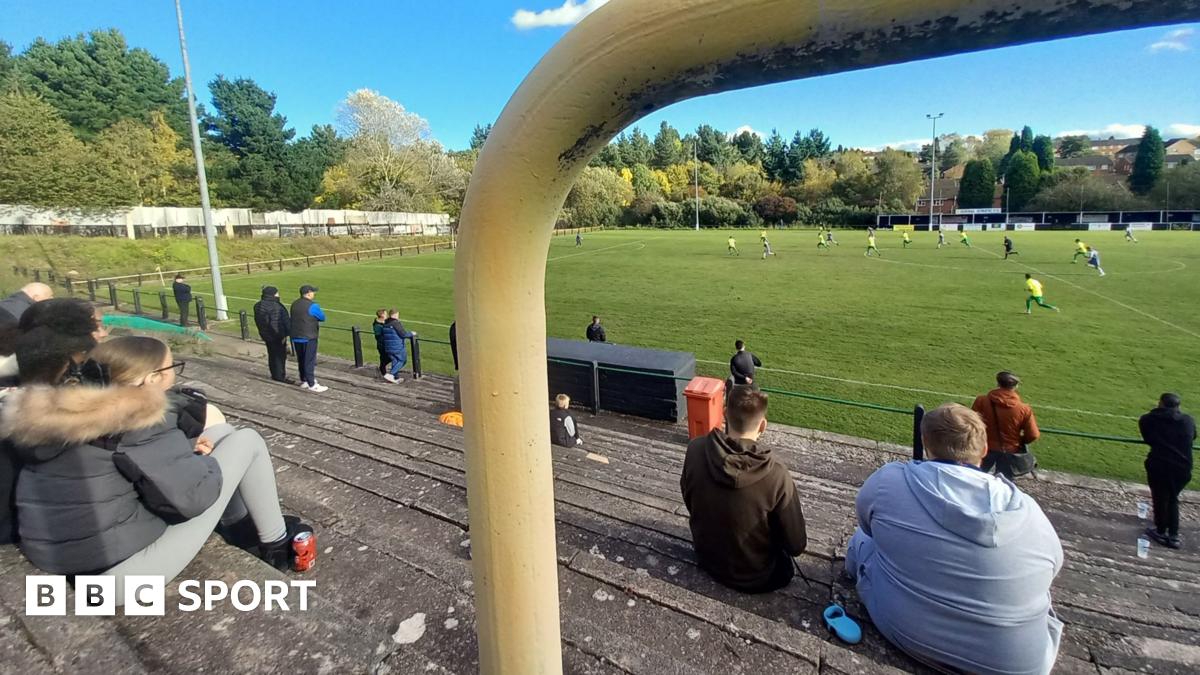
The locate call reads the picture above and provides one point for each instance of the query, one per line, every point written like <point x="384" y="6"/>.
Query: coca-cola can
<point x="305" y="546"/>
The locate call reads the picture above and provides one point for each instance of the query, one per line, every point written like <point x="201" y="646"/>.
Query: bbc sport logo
<point x="146" y="595"/>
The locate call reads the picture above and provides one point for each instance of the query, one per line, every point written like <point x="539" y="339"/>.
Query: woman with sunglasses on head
<point x="155" y="495"/>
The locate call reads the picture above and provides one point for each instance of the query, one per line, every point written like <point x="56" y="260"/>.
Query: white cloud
<point x="1115" y="130"/>
<point x="569" y="13"/>
<point x="1174" y="41"/>
<point x="910" y="146"/>
<point x="746" y="127"/>
<point x="1179" y="129"/>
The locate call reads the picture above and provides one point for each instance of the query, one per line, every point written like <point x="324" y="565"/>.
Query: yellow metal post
<point x="624" y="61"/>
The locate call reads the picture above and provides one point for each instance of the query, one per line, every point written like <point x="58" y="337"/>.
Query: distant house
<point x="1182" y="146"/>
<point x="945" y="198"/>
<point x="1172" y="161"/>
<point x="1093" y="163"/>
<point x="1112" y="145"/>
<point x="955" y="172"/>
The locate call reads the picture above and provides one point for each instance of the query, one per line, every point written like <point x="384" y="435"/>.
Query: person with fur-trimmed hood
<point x="118" y="480"/>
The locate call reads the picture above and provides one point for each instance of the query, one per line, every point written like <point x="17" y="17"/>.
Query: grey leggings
<point x="247" y="485"/>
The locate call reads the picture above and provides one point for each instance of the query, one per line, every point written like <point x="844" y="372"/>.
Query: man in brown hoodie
<point x="1010" y="422"/>
<point x="745" y="516"/>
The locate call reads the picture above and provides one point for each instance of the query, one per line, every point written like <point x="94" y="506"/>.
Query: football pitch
<point x="913" y="326"/>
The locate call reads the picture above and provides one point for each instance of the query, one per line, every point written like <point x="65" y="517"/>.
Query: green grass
<point x="915" y="326"/>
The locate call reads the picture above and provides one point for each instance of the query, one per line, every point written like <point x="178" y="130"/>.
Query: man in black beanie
<point x="274" y="326"/>
<point x="1170" y="434"/>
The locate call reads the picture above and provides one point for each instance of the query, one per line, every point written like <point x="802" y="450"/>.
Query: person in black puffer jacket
<point x="274" y="327"/>
<point x="111" y="484"/>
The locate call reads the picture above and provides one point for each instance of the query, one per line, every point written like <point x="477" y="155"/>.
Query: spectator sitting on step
<point x="563" y="431"/>
<point x="113" y="485"/>
<point x="50" y="334"/>
<point x="377" y="329"/>
<point x="12" y="307"/>
<point x="595" y="332"/>
<point x="394" y="345"/>
<point x="954" y="565"/>
<point x="744" y="512"/>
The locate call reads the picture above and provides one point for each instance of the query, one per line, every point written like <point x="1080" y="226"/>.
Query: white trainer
<point x="318" y="388"/>
<point x="303" y="384"/>
<point x="390" y="378"/>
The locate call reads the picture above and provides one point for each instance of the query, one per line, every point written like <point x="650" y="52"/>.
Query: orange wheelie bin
<point x="705" y="405"/>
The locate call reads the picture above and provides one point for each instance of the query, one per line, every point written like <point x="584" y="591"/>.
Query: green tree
<point x="1043" y="148"/>
<point x="1148" y="165"/>
<point x="44" y="163"/>
<point x="1022" y="179"/>
<point x="994" y="145"/>
<point x="952" y="155"/>
<point x="854" y="180"/>
<point x="7" y="65"/>
<point x="609" y="156"/>
<point x="246" y="123"/>
<point x="597" y="198"/>
<point x="744" y="182"/>
<point x="775" y="156"/>
<point x="1180" y="184"/>
<point x="1027" y="138"/>
<point x="978" y="185"/>
<point x="639" y="149"/>
<point x="95" y="80"/>
<point x="896" y="177"/>
<point x="645" y="184"/>
<point x="668" y="147"/>
<point x="713" y="148"/>
<point x="479" y="136"/>
<point x="1081" y="190"/>
<point x="749" y="146"/>
<point x="148" y="162"/>
<point x="306" y="162"/>
<point x="1074" y="146"/>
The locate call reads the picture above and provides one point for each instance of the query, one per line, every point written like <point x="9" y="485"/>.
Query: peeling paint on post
<point x="625" y="60"/>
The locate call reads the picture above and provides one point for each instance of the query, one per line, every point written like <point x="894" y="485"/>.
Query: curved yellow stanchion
<point x="627" y="59"/>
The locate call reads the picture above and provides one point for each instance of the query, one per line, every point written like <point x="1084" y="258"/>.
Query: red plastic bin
<point x="705" y="405"/>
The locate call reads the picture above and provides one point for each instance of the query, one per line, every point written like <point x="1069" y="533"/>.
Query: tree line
<point x="89" y="122"/>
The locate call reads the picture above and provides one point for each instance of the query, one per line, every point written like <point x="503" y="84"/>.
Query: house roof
<point x="1115" y="141"/>
<point x="1090" y="160"/>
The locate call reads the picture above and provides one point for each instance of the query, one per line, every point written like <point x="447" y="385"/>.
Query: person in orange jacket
<point x="1011" y="426"/>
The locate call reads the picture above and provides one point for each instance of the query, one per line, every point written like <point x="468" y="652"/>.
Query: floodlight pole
<point x="210" y="233"/>
<point x="933" y="166"/>
<point x="696" y="166"/>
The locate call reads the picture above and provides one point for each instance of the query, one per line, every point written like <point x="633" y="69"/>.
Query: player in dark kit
<point x="1008" y="248"/>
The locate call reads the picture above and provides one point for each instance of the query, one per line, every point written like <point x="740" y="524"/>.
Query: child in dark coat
<point x="377" y="329"/>
<point x="394" y="345"/>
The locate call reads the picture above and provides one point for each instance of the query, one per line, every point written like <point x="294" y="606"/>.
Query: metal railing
<point x="916" y="413"/>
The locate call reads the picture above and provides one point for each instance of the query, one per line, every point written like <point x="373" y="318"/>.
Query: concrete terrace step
<point x="384" y="482"/>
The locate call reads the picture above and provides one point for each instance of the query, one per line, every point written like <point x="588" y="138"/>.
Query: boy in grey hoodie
<point x="954" y="565"/>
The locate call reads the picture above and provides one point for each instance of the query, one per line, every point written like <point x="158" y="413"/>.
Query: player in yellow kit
<point x="907" y="239"/>
<point x="1035" y="295"/>
<point x="733" y="249"/>
<point x="871" y="244"/>
<point x="1081" y="249"/>
<point x="821" y="240"/>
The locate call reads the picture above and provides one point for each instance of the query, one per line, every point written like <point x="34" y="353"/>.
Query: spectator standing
<point x="306" y="316"/>
<point x="274" y="326"/>
<point x="394" y="345"/>
<point x="183" y="298"/>
<point x="1011" y="427"/>
<point x="595" y="332"/>
<point x="12" y="307"/>
<point x="563" y="431"/>
<point x="744" y="513"/>
<point x="743" y="364"/>
<point x="377" y="330"/>
<point x="954" y="565"/>
<point x="1170" y="434"/>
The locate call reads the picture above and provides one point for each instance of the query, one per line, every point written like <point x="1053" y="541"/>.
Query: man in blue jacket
<point x="953" y="564"/>
<point x="306" y="316"/>
<point x="183" y="298"/>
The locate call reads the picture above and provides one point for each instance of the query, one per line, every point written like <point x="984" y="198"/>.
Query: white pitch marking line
<point x="640" y="243"/>
<point x="921" y="391"/>
<point x="1102" y="296"/>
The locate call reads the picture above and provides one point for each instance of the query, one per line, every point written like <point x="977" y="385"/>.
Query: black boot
<point x="280" y="554"/>
<point x="242" y="534"/>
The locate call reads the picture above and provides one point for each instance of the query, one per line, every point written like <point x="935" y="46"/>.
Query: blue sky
<point x="456" y="62"/>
